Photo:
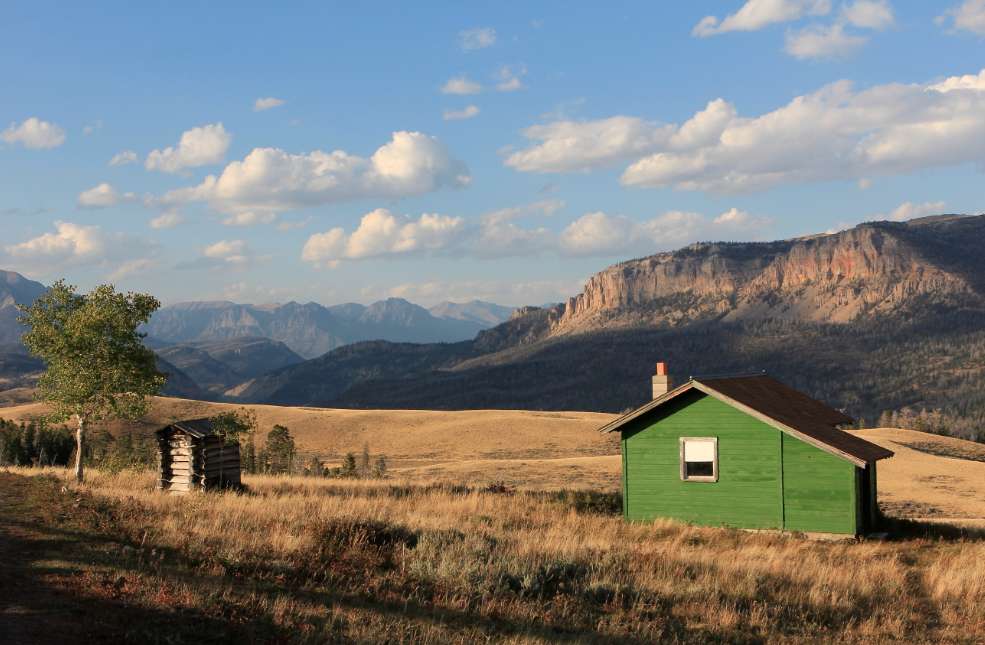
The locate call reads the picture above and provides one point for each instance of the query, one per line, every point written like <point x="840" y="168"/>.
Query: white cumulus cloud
<point x="477" y="38"/>
<point x="461" y="85"/>
<point x="969" y="82"/>
<point x="201" y="146"/>
<point x="103" y="196"/>
<point x="836" y="132"/>
<point x="566" y="146"/>
<point x="756" y="14"/>
<point x="467" y="112"/>
<point x="267" y="103"/>
<point x="823" y="41"/>
<point x="599" y="233"/>
<point x="167" y="219"/>
<point x="508" y="78"/>
<point x="123" y="158"/>
<point x="35" y="134"/>
<point x="968" y="16"/>
<point x="909" y="210"/>
<point x="271" y="180"/>
<point x="249" y="218"/>
<point x="77" y="245"/>
<point x="869" y="14"/>
<point x="235" y="251"/>
<point x="380" y="233"/>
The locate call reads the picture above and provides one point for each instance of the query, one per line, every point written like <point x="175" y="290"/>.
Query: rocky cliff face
<point x="868" y="270"/>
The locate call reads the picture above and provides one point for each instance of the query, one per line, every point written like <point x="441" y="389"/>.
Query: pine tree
<point x="379" y="468"/>
<point x="279" y="452"/>
<point x="364" y="461"/>
<point x="348" y="465"/>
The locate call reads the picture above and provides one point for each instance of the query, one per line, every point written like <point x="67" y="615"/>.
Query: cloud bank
<point x="837" y="132"/>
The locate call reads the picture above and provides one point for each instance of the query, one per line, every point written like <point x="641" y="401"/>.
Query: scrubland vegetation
<point x="311" y="560"/>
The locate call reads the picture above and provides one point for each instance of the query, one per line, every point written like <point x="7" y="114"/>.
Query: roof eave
<point x="616" y="424"/>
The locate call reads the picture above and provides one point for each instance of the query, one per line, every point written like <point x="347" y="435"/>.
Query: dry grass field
<point x="406" y="437"/>
<point x="931" y="477"/>
<point x="315" y="560"/>
<point x="435" y="554"/>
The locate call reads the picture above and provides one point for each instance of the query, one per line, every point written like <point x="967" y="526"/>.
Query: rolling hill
<point x="931" y="477"/>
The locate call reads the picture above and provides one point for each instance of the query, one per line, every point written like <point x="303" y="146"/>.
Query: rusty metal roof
<point x="780" y="406"/>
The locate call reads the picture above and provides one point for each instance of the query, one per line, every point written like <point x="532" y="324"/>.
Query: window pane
<point x="699" y="450"/>
<point x="699" y="469"/>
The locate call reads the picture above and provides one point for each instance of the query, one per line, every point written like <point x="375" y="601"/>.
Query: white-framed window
<point x="699" y="459"/>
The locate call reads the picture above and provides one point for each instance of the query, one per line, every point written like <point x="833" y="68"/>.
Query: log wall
<point x="188" y="463"/>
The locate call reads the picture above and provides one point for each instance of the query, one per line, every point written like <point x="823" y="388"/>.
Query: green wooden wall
<point x="819" y="489"/>
<point x="767" y="479"/>
<point x="747" y="493"/>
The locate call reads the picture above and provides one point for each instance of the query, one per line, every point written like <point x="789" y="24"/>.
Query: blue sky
<point x="437" y="151"/>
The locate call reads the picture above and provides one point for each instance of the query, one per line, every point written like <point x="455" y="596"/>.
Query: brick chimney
<point x="661" y="382"/>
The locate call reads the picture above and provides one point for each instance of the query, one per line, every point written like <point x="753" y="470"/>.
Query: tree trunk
<point x="79" y="446"/>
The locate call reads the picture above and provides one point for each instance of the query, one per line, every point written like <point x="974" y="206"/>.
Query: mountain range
<point x="882" y="316"/>
<point x="312" y="329"/>
<point x="207" y="348"/>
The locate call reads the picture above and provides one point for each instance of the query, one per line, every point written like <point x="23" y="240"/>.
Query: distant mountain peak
<point x="311" y="329"/>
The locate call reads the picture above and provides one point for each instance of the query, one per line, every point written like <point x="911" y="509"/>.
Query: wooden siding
<point x="819" y="490"/>
<point x="190" y="463"/>
<point x="748" y="491"/>
<point x="767" y="479"/>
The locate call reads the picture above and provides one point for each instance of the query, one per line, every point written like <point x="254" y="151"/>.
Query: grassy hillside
<point x="411" y="436"/>
<point x="931" y="476"/>
<point x="484" y="531"/>
<point x="864" y="368"/>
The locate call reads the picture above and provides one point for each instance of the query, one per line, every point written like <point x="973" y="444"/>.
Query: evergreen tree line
<point x="366" y="466"/>
<point x="36" y="443"/>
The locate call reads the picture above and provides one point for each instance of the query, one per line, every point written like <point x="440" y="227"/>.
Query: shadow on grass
<point x="900" y="529"/>
<point x="61" y="586"/>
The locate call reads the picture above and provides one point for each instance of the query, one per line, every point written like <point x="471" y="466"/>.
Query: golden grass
<point x="402" y="435"/>
<point x="544" y="450"/>
<point x="916" y="483"/>
<point x="365" y="560"/>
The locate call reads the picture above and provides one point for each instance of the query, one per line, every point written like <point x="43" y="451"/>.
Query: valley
<point x="883" y="317"/>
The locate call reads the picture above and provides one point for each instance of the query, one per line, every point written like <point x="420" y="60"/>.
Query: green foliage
<point x="314" y="467"/>
<point x="96" y="366"/>
<point x="364" y="460"/>
<point x="129" y="451"/>
<point x="279" y="452"/>
<point x="379" y="467"/>
<point x="348" y="466"/>
<point x="365" y="467"/>
<point x="34" y="444"/>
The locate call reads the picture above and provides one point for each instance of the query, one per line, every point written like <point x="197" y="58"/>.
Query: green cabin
<point x="746" y="452"/>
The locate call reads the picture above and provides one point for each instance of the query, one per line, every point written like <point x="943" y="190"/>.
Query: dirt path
<point x="31" y="610"/>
